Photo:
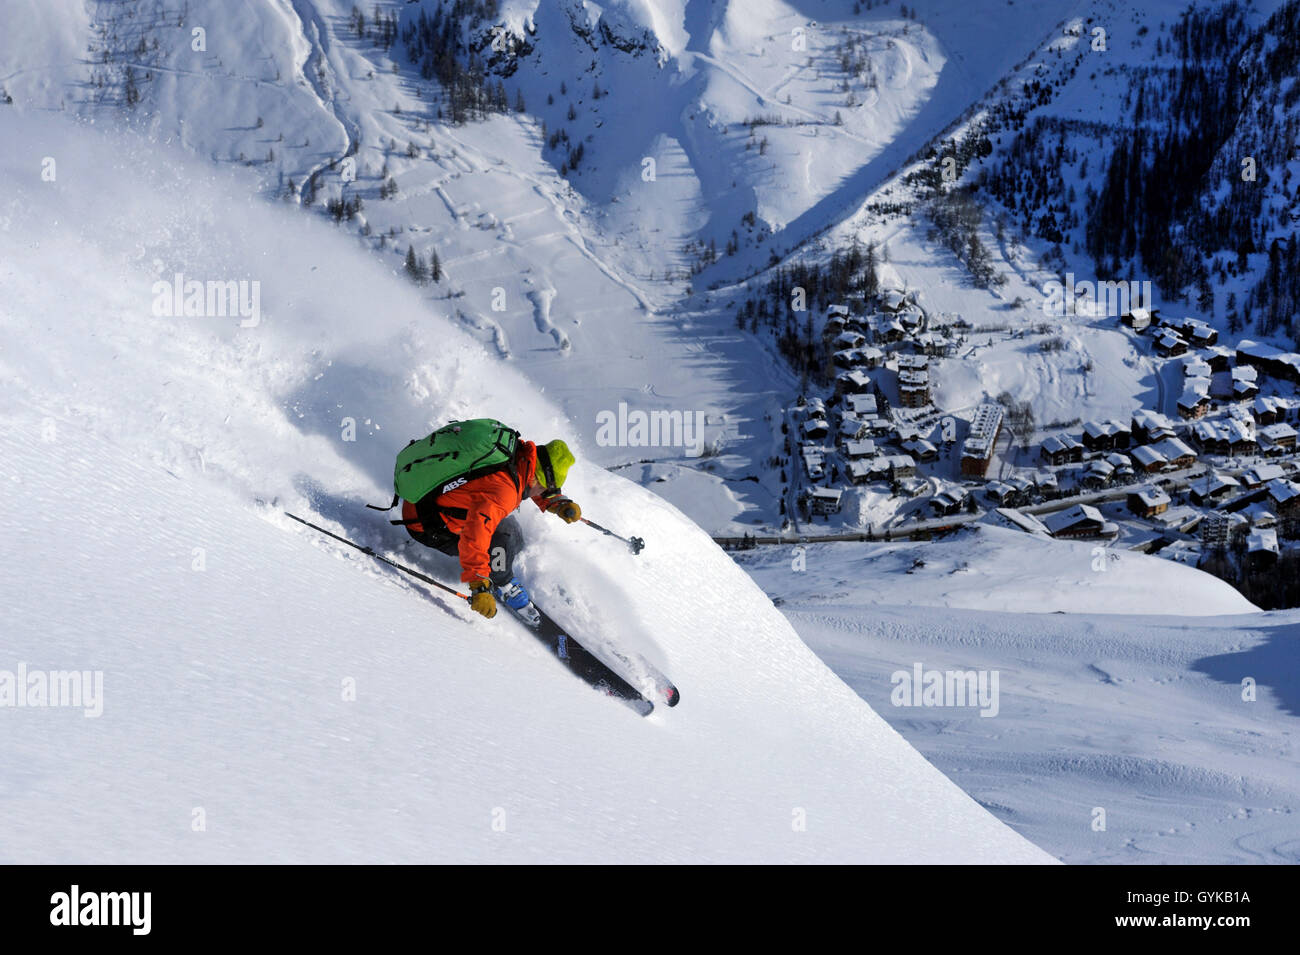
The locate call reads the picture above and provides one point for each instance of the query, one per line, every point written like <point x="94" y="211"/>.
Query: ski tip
<point x="671" y="696"/>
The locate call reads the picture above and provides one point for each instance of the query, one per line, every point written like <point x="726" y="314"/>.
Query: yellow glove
<point x="481" y="599"/>
<point x="568" y="511"/>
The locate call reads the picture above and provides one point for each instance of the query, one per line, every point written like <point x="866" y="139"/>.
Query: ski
<point x="582" y="663"/>
<point x="660" y="686"/>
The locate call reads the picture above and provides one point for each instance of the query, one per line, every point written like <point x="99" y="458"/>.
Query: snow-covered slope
<point x="145" y="459"/>
<point x="1142" y="713"/>
<point x="998" y="569"/>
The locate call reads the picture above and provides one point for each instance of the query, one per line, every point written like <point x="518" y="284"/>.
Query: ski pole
<point x="391" y="563"/>
<point x="635" y="543"/>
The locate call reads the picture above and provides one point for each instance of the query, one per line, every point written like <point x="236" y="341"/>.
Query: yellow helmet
<point x="553" y="461"/>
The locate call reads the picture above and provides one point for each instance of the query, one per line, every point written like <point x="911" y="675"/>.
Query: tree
<point x="414" y="267"/>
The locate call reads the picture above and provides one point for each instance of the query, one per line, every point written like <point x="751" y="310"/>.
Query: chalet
<point x="814" y="465"/>
<point x="815" y="428"/>
<point x="1232" y="436"/>
<point x="1259" y="515"/>
<point x="894" y="300"/>
<point x="977" y="450"/>
<point x="849" y="340"/>
<point x="1147" y="459"/>
<point x="1122" y="464"/>
<point x="891" y="331"/>
<point x="1195" y="399"/>
<point x="871" y="356"/>
<point x="852" y="429"/>
<point x="1268" y="409"/>
<point x="1098" y="474"/>
<point x="1105" y="435"/>
<point x="1138" y="319"/>
<point x="949" y="501"/>
<point x="1218" y="357"/>
<point x="1151" y="426"/>
<point x="1245" y="381"/>
<point x="826" y="500"/>
<point x="1081" y="520"/>
<point x="1212" y="488"/>
<point x="862" y="470"/>
<point x="1046" y="482"/>
<point x="863" y="406"/>
<point x="877" y="425"/>
<point x="853" y="382"/>
<point x="847" y="358"/>
<point x="1261" y="548"/>
<point x="1170" y="345"/>
<point x="1058" y="449"/>
<point x="1170" y="454"/>
<point x="1269" y="360"/>
<point x="814" y="408"/>
<point x="1285" y="498"/>
<point x="932" y="343"/>
<point x="921" y="449"/>
<point x="854" y="450"/>
<point x="1262" y="474"/>
<point x="1277" y="438"/>
<point x="838" y="310"/>
<point x="1181" y="519"/>
<point x="1195" y="366"/>
<point x="1148" y="501"/>
<point x="1004" y="495"/>
<point x="835" y="325"/>
<point x="901" y="466"/>
<point x="1199" y="333"/>
<point x="1176" y="453"/>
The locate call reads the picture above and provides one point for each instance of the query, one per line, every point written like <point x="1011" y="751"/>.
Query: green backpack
<point x="453" y="455"/>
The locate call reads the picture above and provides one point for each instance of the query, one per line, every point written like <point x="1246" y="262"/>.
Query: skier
<point x="469" y="516"/>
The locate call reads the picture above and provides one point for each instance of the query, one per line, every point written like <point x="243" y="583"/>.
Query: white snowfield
<point x="271" y="696"/>
<point x="1145" y="711"/>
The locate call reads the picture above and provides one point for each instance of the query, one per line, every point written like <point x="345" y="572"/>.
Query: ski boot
<point x="514" y="596"/>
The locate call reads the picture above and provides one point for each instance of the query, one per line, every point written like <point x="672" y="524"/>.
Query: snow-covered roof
<point x="1026" y="522"/>
<point x="1151" y="495"/>
<point x="1174" y="448"/>
<point x="1061" y="520"/>
<point x="1283" y="491"/>
<point x="1056" y="443"/>
<point x="1262" y="539"/>
<point x="1263" y="473"/>
<point x="1277" y="432"/>
<point x="861" y="404"/>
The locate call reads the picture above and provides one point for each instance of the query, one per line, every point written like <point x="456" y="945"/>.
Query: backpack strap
<point x="376" y="507"/>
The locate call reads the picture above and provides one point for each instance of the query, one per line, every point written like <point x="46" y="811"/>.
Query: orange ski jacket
<point x="473" y="510"/>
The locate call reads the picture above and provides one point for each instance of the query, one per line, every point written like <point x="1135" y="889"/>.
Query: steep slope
<point x="135" y="449"/>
